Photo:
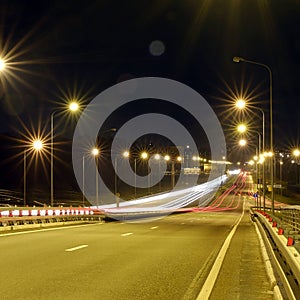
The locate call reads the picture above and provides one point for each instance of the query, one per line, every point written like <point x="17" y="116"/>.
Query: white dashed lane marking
<point x="154" y="227"/>
<point x="126" y="234"/>
<point x="76" y="248"/>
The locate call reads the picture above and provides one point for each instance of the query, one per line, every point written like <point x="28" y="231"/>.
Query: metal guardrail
<point x="284" y="230"/>
<point x="287" y="218"/>
<point x="15" y="216"/>
<point x="290" y="217"/>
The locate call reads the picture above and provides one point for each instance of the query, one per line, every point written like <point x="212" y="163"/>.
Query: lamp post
<point x="144" y="156"/>
<point x="125" y="154"/>
<point x="256" y="158"/>
<point x="157" y="158"/>
<point x="241" y="104"/>
<point x="296" y="154"/>
<point x="179" y="160"/>
<point x="73" y="106"/>
<point x="95" y="153"/>
<point x="83" y="181"/>
<point x="37" y="145"/>
<point x="258" y="175"/>
<point x="280" y="175"/>
<point x="240" y="59"/>
<point x="242" y="128"/>
<point x="116" y="181"/>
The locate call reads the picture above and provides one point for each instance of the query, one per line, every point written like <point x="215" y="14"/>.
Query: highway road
<point x="169" y="258"/>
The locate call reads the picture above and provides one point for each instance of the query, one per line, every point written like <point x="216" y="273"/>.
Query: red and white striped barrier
<point x="46" y="212"/>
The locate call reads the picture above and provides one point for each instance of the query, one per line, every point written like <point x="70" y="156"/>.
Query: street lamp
<point x="167" y="157"/>
<point x="95" y="153"/>
<point x="280" y="175"/>
<point x="2" y="64"/>
<point x="241" y="128"/>
<point x="242" y="142"/>
<point x="37" y="145"/>
<point x="144" y="156"/>
<point x="240" y="103"/>
<point x="157" y="158"/>
<point x="73" y="106"/>
<point x="240" y="59"/>
<point x="125" y="154"/>
<point x="296" y="154"/>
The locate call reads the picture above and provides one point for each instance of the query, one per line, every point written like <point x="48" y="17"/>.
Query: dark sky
<point x="63" y="48"/>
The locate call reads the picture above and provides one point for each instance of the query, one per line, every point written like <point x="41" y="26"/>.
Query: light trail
<point x="170" y="201"/>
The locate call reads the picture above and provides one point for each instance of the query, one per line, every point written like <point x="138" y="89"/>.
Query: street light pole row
<point x="240" y="104"/>
<point x="240" y="59"/>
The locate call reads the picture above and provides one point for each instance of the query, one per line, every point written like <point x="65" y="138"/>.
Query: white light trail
<point x="169" y="201"/>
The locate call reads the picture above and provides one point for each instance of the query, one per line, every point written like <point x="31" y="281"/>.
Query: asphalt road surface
<point x="169" y="258"/>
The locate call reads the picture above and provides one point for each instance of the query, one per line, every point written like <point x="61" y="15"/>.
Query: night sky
<point x="62" y="49"/>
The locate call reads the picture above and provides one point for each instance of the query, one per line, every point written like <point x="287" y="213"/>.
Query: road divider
<point x="32" y="217"/>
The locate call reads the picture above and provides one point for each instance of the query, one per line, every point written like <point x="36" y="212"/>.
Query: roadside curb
<point x="269" y="269"/>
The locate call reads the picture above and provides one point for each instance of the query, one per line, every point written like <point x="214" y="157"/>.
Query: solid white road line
<point x="47" y="229"/>
<point x="126" y="234"/>
<point x="76" y="248"/>
<point x="212" y="276"/>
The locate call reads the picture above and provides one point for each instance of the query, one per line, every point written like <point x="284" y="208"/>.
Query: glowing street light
<point x="157" y="156"/>
<point x="242" y="142"/>
<point x="95" y="153"/>
<point x="240" y="59"/>
<point x="126" y="154"/>
<point x="240" y="104"/>
<point x="2" y="64"/>
<point x="296" y="152"/>
<point x="241" y="128"/>
<point x="73" y="107"/>
<point x="37" y="145"/>
<point x="144" y="155"/>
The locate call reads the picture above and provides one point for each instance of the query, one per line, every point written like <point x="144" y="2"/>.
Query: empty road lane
<point x="165" y="259"/>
